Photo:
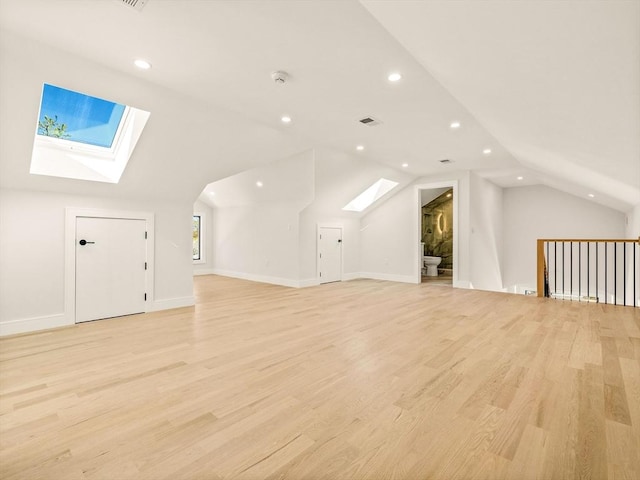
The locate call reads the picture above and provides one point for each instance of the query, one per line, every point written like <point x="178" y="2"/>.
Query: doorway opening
<point x="437" y="233"/>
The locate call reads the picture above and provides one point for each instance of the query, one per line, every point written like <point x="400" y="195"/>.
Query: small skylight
<point x="84" y="137"/>
<point x="370" y="195"/>
<point x="78" y="118"/>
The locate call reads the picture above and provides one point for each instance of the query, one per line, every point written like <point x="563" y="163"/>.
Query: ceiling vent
<point x="370" y="121"/>
<point x="445" y="161"/>
<point x="137" y="4"/>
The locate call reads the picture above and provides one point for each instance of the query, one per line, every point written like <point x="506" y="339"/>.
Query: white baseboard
<point x="462" y="284"/>
<point x="351" y="276"/>
<point x="285" y="282"/>
<point x="14" y="327"/>
<point x="168" y="303"/>
<point x="309" y="282"/>
<point x="26" y="325"/>
<point x="203" y="271"/>
<point x="390" y="277"/>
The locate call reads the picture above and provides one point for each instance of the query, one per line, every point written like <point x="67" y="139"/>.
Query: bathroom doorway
<point x="437" y="233"/>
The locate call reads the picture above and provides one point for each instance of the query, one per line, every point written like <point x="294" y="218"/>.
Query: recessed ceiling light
<point x="591" y="195"/>
<point x="286" y="119"/>
<point x="360" y="147"/>
<point x="455" y="125"/>
<point x="212" y="193"/>
<point x="519" y="178"/>
<point x="405" y="165"/>
<point x="259" y="183"/>
<point x="394" y="77"/>
<point x="448" y="195"/>
<point x="487" y="151"/>
<point x="143" y="64"/>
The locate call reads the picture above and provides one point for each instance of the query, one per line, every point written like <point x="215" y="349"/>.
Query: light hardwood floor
<point x="362" y="379"/>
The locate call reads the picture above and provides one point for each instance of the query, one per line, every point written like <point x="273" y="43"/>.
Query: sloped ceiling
<point x="184" y="145"/>
<point x="321" y="180"/>
<point x="548" y="87"/>
<point x="289" y="180"/>
<point x="340" y="177"/>
<point x="557" y="83"/>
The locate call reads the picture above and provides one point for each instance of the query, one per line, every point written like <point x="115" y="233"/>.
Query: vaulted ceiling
<point x="552" y="88"/>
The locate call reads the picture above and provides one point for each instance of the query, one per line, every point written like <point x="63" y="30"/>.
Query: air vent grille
<point x="370" y="121"/>
<point x="137" y="4"/>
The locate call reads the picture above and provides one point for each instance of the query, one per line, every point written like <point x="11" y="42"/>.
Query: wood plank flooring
<point x="354" y="380"/>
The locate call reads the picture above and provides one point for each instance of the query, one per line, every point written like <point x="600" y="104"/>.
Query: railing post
<point x="541" y="268"/>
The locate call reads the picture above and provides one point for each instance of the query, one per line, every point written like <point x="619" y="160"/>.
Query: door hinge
<point x="145" y="265"/>
<point x="320" y="236"/>
<point x="145" y="297"/>
<point x="145" y="235"/>
<point x="320" y="273"/>
<point x="320" y="255"/>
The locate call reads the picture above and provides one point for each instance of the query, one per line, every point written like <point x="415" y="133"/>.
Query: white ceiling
<point x="430" y="194"/>
<point x="557" y="83"/>
<point x="548" y="86"/>
<point x="322" y="180"/>
<point x="286" y="181"/>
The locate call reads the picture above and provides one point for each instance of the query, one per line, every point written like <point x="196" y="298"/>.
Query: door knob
<point x="84" y="242"/>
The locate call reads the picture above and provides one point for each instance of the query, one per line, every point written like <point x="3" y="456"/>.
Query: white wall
<point x="32" y="246"/>
<point x="206" y="230"/>
<point x="257" y="242"/>
<point x="338" y="178"/>
<point x="389" y="238"/>
<point x="184" y="145"/>
<point x="486" y="235"/>
<point x="255" y="230"/>
<point x="541" y="212"/>
<point x="633" y="232"/>
<point x="633" y="223"/>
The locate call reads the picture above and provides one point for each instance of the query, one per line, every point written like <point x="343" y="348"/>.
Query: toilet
<point x="432" y="265"/>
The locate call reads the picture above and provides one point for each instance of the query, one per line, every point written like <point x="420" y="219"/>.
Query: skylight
<point x="84" y="137"/>
<point x="85" y="119"/>
<point x="370" y="195"/>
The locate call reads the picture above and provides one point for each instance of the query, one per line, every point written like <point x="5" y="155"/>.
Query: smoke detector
<point x="280" y="77"/>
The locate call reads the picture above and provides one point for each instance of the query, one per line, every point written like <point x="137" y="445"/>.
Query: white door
<point x="330" y="254"/>
<point x="110" y="267"/>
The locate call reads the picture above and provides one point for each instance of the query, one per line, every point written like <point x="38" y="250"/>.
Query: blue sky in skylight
<point x="89" y="120"/>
